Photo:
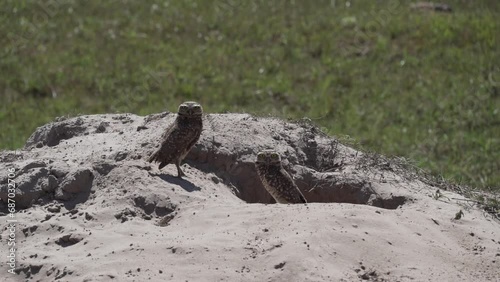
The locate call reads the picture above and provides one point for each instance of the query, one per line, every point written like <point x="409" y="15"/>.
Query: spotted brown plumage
<point x="180" y="136"/>
<point x="276" y="180"/>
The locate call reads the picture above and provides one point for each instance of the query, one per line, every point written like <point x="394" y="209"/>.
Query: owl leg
<point x="179" y="170"/>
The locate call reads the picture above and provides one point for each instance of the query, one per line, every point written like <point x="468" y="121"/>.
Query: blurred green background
<point x="418" y="84"/>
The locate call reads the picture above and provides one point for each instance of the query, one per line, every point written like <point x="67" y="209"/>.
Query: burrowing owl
<point x="180" y="136"/>
<point x="276" y="180"/>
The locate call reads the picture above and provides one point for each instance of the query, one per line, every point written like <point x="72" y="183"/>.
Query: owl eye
<point x="274" y="155"/>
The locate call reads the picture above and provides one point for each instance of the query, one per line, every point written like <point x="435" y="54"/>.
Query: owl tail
<point x="153" y="157"/>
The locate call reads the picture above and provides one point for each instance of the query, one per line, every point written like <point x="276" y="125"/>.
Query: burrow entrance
<point x="316" y="187"/>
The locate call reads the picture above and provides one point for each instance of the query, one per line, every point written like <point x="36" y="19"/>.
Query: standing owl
<point x="180" y="136"/>
<point x="276" y="180"/>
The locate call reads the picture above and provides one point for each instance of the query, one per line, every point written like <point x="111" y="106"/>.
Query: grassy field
<point x="422" y="85"/>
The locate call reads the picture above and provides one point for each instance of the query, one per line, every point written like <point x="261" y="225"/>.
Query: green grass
<point x="416" y="84"/>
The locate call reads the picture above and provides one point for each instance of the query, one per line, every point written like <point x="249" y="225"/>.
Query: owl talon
<point x="180" y="173"/>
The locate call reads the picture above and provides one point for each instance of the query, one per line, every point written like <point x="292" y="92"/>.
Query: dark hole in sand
<point x="316" y="187"/>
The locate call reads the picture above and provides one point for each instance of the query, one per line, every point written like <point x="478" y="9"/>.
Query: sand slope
<point x="92" y="209"/>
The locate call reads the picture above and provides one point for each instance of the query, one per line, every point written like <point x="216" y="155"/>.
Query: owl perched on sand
<point x="180" y="136"/>
<point x="276" y="180"/>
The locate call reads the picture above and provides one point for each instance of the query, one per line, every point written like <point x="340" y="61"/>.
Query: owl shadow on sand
<point x="182" y="182"/>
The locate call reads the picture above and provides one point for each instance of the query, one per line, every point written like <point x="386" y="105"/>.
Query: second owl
<point x="276" y="180"/>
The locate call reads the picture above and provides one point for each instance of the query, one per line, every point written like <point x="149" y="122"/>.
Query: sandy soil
<point x="92" y="209"/>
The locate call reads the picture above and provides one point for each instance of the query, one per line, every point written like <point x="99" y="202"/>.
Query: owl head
<point x="190" y="109"/>
<point x="269" y="157"/>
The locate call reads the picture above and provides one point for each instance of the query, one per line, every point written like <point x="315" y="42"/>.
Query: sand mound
<point x="92" y="209"/>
